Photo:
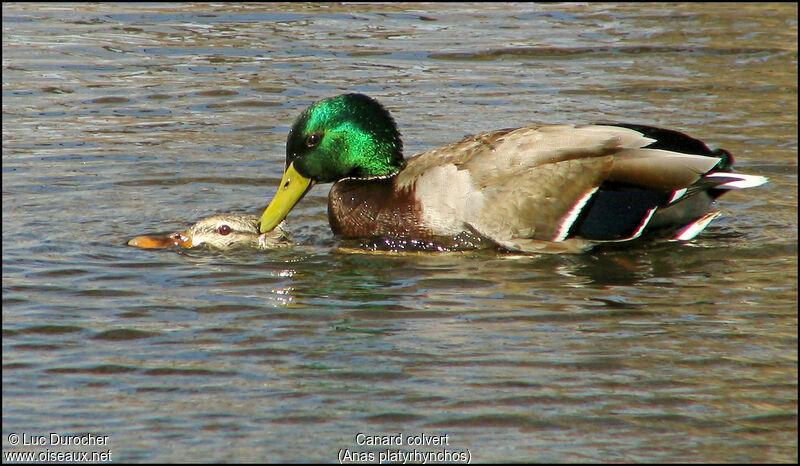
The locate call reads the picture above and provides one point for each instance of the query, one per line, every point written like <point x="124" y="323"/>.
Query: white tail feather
<point x="737" y="180"/>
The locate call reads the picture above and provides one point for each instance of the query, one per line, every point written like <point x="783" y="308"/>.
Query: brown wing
<point x="518" y="207"/>
<point x="532" y="182"/>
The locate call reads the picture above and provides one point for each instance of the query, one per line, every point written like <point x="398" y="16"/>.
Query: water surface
<point x="120" y="119"/>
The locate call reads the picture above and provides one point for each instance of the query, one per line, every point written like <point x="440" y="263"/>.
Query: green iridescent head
<point x="350" y="135"/>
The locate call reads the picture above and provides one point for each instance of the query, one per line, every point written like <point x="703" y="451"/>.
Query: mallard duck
<point x="542" y="188"/>
<point x="221" y="231"/>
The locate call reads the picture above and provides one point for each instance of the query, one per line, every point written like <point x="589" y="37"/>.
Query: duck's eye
<point x="223" y="230"/>
<point x="313" y="139"/>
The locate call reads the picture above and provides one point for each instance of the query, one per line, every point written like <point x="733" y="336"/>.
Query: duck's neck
<point x="381" y="176"/>
<point x="375" y="160"/>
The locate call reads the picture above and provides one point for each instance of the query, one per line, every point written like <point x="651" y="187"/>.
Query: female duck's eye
<point x="224" y="230"/>
<point x="313" y="139"/>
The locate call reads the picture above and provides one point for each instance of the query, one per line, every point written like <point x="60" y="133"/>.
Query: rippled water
<point x="123" y="119"/>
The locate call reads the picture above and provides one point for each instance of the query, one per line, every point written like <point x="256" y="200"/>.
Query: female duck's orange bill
<point x="162" y="241"/>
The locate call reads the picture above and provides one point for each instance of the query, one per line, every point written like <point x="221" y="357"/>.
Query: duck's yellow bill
<point x="292" y="188"/>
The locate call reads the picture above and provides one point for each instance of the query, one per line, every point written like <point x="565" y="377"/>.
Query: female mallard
<point x="532" y="189"/>
<point x="221" y="231"/>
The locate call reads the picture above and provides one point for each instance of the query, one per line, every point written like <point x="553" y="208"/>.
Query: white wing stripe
<point x="568" y="219"/>
<point x="644" y="223"/>
<point x="695" y="228"/>
<point x="677" y="194"/>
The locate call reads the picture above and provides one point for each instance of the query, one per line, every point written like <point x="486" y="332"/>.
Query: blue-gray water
<point x="122" y="119"/>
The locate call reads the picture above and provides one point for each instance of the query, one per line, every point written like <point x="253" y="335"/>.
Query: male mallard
<point x="221" y="231"/>
<point x="533" y="189"/>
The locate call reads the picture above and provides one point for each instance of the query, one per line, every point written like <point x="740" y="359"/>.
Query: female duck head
<point x="350" y="135"/>
<point x="222" y="231"/>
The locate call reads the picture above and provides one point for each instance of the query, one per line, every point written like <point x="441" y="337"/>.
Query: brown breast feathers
<point x="374" y="208"/>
